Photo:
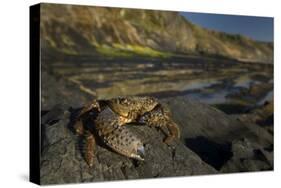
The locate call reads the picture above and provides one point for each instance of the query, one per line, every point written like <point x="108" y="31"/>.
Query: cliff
<point x="86" y="30"/>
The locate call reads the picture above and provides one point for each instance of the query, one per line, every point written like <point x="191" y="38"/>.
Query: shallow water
<point x="211" y="98"/>
<point x="245" y="81"/>
<point x="199" y="84"/>
<point x="268" y="97"/>
<point x="202" y="91"/>
<point x="198" y="79"/>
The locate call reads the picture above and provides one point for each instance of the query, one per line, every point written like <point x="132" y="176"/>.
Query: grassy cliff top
<point x="114" y="32"/>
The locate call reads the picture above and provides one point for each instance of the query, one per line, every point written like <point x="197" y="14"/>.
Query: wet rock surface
<point x="215" y="137"/>
<point x="211" y="142"/>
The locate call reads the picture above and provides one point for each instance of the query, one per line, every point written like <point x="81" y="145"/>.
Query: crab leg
<point x="90" y="143"/>
<point x="88" y="107"/>
<point x="90" y="147"/>
<point x="78" y="124"/>
<point x="161" y="117"/>
<point x="78" y="127"/>
<point x="173" y="130"/>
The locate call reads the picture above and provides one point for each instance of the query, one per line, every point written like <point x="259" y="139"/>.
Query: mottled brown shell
<point x="132" y="107"/>
<point x="118" y="137"/>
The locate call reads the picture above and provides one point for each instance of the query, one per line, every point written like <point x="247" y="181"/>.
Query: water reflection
<point x="215" y="82"/>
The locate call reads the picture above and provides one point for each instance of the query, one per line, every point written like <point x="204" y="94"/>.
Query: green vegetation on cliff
<point x="127" y="32"/>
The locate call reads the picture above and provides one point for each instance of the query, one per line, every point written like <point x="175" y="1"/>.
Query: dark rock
<point x="215" y="137"/>
<point x="62" y="162"/>
<point x="197" y="119"/>
<point x="56" y="90"/>
<point x="247" y="157"/>
<point x="211" y="152"/>
<point x="210" y="141"/>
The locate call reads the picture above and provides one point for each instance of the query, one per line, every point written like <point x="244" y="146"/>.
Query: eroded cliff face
<point x="123" y="32"/>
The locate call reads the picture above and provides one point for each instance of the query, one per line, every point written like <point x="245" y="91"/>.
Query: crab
<point x="109" y="120"/>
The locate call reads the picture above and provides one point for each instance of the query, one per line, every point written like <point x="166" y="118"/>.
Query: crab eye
<point x="120" y="100"/>
<point x="142" y="119"/>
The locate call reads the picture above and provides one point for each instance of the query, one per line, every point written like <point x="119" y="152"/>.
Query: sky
<point x="257" y="28"/>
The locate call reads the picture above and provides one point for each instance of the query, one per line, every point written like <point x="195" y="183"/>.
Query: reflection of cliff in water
<point x="213" y="81"/>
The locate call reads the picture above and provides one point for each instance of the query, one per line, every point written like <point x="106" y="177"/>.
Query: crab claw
<point x="140" y="153"/>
